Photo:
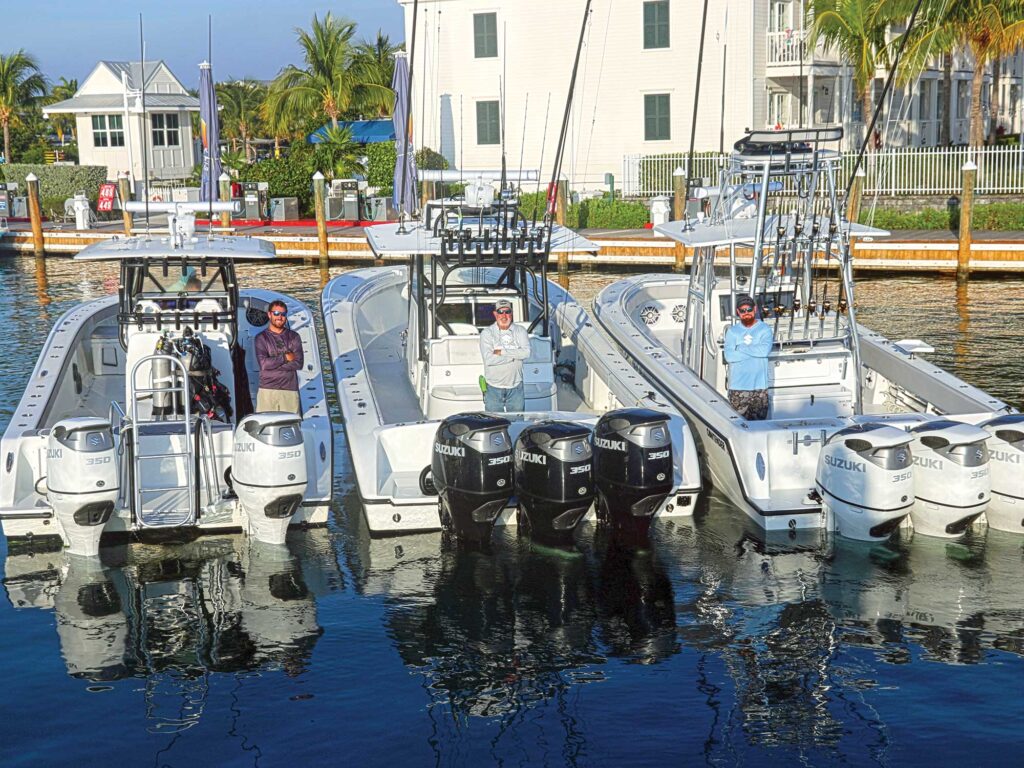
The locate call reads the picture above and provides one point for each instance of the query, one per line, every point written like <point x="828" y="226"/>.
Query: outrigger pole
<point x="408" y="116"/>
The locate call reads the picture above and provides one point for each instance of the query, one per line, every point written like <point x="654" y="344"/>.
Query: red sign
<point x="108" y="192"/>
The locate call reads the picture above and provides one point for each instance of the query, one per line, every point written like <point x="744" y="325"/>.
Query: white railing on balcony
<point x="787" y="47"/>
<point x="891" y="171"/>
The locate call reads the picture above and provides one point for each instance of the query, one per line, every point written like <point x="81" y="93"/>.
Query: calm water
<point x="714" y="646"/>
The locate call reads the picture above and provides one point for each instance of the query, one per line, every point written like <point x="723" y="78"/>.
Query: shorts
<point x="751" y="404"/>
<point x="283" y="400"/>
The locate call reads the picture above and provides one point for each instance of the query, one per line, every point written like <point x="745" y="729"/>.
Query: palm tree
<point x="373" y="66"/>
<point x="241" y="102"/>
<point x="62" y="91"/>
<point x="326" y="85"/>
<point x="857" y="31"/>
<point x="988" y="29"/>
<point x="338" y="155"/>
<point x="21" y="83"/>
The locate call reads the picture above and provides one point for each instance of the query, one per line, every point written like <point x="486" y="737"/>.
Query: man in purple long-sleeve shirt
<point x="279" y="354"/>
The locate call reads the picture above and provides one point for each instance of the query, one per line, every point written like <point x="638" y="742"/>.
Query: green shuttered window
<point x="488" y="126"/>
<point x="485" y="35"/>
<point x="656" y="24"/>
<point x="657" y="121"/>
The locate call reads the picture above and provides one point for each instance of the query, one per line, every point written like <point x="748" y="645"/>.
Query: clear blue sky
<point x="251" y="38"/>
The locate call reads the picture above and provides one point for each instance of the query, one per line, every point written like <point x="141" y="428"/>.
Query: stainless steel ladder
<point x="171" y="514"/>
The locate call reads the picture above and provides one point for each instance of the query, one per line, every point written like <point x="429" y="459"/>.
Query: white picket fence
<point x="890" y="172"/>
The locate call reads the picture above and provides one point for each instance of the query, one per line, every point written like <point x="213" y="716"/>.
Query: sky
<point x="251" y="38"/>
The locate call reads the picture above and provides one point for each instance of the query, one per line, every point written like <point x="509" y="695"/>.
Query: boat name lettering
<point x="450" y="450"/>
<point x="1011" y="458"/>
<point x="245" y="447"/>
<point x="715" y="437"/>
<point x="53" y="453"/>
<point x="499" y="460"/>
<point x="852" y="466"/>
<point x="658" y="455"/>
<point x="929" y="463"/>
<point x="611" y="445"/>
<point x="531" y="458"/>
<point x="581" y="469"/>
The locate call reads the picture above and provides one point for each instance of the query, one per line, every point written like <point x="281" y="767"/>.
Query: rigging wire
<point x="522" y="141"/>
<point x="577" y="131"/>
<point x="540" y="165"/>
<point x="597" y="90"/>
<point x="408" y="113"/>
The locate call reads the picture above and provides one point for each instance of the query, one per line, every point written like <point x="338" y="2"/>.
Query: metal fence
<point x="890" y="172"/>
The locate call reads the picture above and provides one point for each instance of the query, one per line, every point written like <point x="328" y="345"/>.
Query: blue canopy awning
<point x="363" y="131"/>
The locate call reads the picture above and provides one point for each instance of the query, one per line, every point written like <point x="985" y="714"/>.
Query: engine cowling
<point x="554" y="478"/>
<point x="1006" y="461"/>
<point x="952" y="480"/>
<point x="268" y="472"/>
<point x="471" y="467"/>
<point x="82" y="480"/>
<point x="866" y="481"/>
<point x="632" y="468"/>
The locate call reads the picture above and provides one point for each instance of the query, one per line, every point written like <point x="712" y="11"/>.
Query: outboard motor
<point x="554" y="478"/>
<point x="268" y="472"/>
<point x="82" y="480"/>
<point x="951" y="477"/>
<point x="1006" y="461"/>
<point x="865" y="480"/>
<point x="472" y="472"/>
<point x="632" y="468"/>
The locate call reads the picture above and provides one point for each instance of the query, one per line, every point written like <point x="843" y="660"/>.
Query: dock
<point x="929" y="251"/>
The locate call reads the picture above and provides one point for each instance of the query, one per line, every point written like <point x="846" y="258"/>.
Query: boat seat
<point x="459" y="329"/>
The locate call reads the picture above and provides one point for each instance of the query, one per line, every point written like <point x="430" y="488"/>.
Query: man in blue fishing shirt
<point x="747" y="346"/>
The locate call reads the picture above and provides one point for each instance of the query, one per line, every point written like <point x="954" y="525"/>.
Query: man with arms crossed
<point x="747" y="346"/>
<point x="504" y="347"/>
<point x="279" y="354"/>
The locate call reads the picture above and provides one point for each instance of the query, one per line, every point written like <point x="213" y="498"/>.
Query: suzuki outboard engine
<point x="472" y="472"/>
<point x="1006" y="461"/>
<point x="82" y="480"/>
<point x="553" y="461"/>
<point x="865" y="480"/>
<point x="951" y="477"/>
<point x="268" y="472"/>
<point x="632" y="468"/>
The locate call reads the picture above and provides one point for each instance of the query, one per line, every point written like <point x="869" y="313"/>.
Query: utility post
<point x="124" y="193"/>
<point x="225" y="195"/>
<point x="35" y="213"/>
<point x="969" y="173"/>
<point x="321" y="217"/>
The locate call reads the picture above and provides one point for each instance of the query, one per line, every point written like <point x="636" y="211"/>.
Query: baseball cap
<point x="744" y="299"/>
<point x="503" y="304"/>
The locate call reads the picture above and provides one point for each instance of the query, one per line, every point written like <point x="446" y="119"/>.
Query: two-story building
<point x="492" y="76"/>
<point x="113" y="130"/>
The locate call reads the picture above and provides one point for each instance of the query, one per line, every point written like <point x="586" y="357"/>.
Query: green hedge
<point x="288" y="176"/>
<point x="380" y="162"/>
<point x="58" y="182"/>
<point x="597" y="213"/>
<point x="994" y="217"/>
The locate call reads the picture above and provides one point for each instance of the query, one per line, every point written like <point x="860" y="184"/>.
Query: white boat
<point x="138" y="418"/>
<point x="405" y="348"/>
<point x="861" y="431"/>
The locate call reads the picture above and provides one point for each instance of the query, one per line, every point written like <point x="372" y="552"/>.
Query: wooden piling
<point x="124" y="193"/>
<point x="35" y="213"/>
<point x="678" y="201"/>
<point x="561" y="192"/>
<point x="563" y="269"/>
<point x="680" y="254"/>
<point x="969" y="173"/>
<point x="853" y="203"/>
<point x="321" y="217"/>
<point x="225" y="197"/>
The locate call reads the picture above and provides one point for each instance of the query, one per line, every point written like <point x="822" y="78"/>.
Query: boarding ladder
<point x="165" y="450"/>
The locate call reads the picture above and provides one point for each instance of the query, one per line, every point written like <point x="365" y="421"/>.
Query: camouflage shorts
<point x="752" y="404"/>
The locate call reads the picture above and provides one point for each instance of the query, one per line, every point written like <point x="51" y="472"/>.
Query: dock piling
<point x="225" y="196"/>
<point x="969" y="173"/>
<point x="124" y="193"/>
<point x="35" y="213"/>
<point x="560" y="195"/>
<point x="678" y="195"/>
<point x="853" y="204"/>
<point x="321" y="217"/>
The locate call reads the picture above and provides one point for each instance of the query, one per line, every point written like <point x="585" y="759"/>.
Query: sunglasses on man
<point x="503" y="311"/>
<point x="279" y="313"/>
<point x="745" y="310"/>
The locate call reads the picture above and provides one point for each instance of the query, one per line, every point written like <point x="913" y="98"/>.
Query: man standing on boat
<point x="279" y="354"/>
<point x="747" y="346"/>
<point x="504" y="346"/>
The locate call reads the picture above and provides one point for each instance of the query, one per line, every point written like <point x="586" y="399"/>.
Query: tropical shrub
<point x="58" y="181"/>
<point x="288" y="176"/>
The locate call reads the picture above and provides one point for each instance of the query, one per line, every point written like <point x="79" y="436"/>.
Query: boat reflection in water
<point x="172" y="614"/>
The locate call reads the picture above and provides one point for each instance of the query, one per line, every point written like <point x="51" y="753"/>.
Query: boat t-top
<point x="405" y="345"/>
<point x="861" y="432"/>
<point x="138" y="417"/>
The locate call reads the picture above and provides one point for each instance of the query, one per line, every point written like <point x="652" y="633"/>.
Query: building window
<point x="107" y="131"/>
<point x="485" y="35"/>
<point x="488" y="127"/>
<point x="656" y="24"/>
<point x="165" y="130"/>
<point x="657" y="123"/>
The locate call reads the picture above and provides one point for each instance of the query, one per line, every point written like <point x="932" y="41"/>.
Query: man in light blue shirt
<point x="504" y="346"/>
<point x="747" y="346"/>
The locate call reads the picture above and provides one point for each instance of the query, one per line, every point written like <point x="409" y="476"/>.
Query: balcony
<point x="787" y="47"/>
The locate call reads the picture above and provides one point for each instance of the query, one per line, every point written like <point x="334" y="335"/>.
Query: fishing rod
<point x="522" y="142"/>
<point x="145" y="137"/>
<point x="408" y="117"/>
<point x="502" y="83"/>
<point x="543" y="145"/>
<point x="696" y="102"/>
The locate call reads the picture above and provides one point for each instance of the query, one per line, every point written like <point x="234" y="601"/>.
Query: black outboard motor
<point x="632" y="468"/>
<point x="472" y="472"/>
<point x="554" y="478"/>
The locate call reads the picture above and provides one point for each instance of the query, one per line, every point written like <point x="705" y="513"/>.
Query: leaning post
<point x="125" y="195"/>
<point x="321" y="217"/>
<point x="35" y="213"/>
<point x="225" y="195"/>
<point x="969" y="174"/>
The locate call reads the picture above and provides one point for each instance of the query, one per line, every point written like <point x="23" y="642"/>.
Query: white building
<point x="112" y="129"/>
<point x="636" y="83"/>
